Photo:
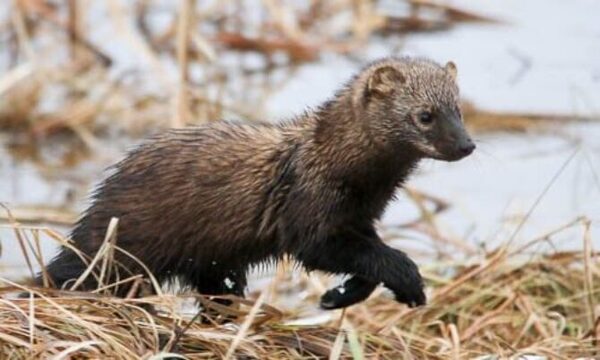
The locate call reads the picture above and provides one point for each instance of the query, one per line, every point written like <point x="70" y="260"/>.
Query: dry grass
<point x="506" y="303"/>
<point x="185" y="79"/>
<point x="510" y="303"/>
<point x="482" y="121"/>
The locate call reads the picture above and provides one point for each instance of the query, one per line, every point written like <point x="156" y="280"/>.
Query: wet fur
<point x="205" y="203"/>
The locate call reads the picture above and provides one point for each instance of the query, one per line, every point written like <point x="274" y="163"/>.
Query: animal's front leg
<point x="352" y="291"/>
<point x="362" y="253"/>
<point x="401" y="275"/>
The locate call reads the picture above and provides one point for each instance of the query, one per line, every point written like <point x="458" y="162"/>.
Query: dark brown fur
<point x="203" y="204"/>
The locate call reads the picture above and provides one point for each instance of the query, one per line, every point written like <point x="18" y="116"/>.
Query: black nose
<point x="467" y="149"/>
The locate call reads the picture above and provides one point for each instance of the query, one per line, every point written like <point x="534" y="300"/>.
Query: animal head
<point x="414" y="101"/>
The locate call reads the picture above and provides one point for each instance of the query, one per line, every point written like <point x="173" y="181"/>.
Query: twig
<point x="185" y="20"/>
<point x="245" y="326"/>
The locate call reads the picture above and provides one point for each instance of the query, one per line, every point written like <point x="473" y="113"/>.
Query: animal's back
<point x="187" y="199"/>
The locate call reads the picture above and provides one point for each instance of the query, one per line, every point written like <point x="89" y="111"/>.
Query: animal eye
<point x="426" y="118"/>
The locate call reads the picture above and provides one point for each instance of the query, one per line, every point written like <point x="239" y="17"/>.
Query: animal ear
<point x="384" y="79"/>
<point x="451" y="69"/>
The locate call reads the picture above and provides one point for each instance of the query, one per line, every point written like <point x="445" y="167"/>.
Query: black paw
<point x="410" y="289"/>
<point x="330" y="300"/>
<point x="354" y="290"/>
<point x="412" y="298"/>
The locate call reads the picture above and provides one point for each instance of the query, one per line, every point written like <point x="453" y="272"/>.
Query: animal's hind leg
<point x="228" y="283"/>
<point x="354" y="290"/>
<point x="64" y="270"/>
<point x="231" y="282"/>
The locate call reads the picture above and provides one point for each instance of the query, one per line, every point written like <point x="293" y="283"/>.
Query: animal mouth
<point x="447" y="152"/>
<point x="430" y="151"/>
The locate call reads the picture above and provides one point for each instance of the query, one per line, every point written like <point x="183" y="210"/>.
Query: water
<point x="544" y="57"/>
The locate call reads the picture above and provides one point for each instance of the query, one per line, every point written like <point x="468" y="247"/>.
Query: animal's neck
<point x="342" y="138"/>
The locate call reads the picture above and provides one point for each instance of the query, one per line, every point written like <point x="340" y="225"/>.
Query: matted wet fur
<point x="205" y="203"/>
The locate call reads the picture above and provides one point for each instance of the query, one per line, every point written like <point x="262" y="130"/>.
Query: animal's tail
<point x="64" y="270"/>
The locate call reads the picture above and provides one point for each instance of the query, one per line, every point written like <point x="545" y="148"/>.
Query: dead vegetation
<point x="509" y="303"/>
<point x="184" y="69"/>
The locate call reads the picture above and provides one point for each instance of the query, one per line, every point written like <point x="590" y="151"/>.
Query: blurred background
<point x="82" y="81"/>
